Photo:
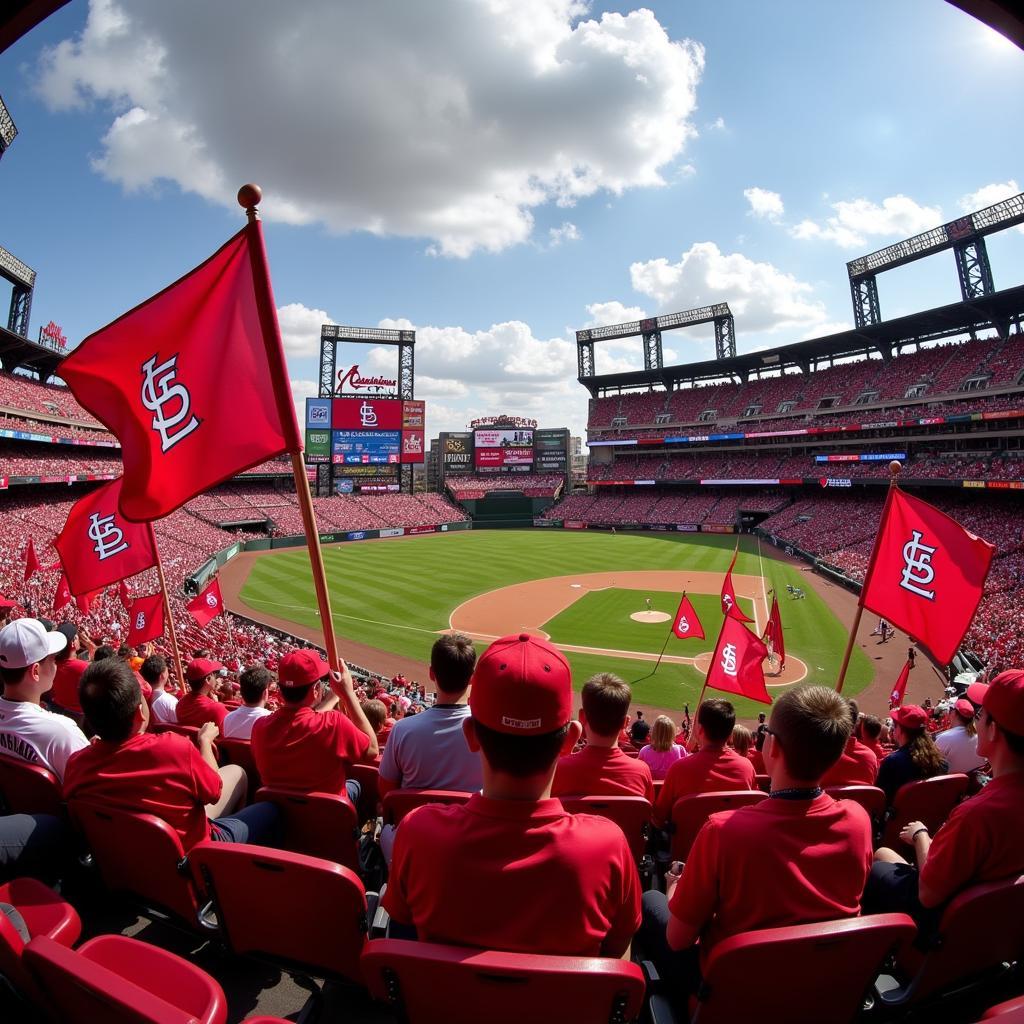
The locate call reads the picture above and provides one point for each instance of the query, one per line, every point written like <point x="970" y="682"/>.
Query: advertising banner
<point x="456" y="451"/>
<point x="546" y="522"/>
<point x="366" y="414"/>
<point x="413" y="415"/>
<point x="717" y="528"/>
<point x="366" y="447"/>
<point x="484" y="457"/>
<point x="686" y="527"/>
<point x="502" y="438"/>
<point x="318" y="413"/>
<point x="381" y="474"/>
<point x="343" y="486"/>
<point x="551" y="438"/>
<point x="412" y="446"/>
<point x="394" y="531"/>
<point x="571" y="524"/>
<point x="420" y="529"/>
<point x="318" y="446"/>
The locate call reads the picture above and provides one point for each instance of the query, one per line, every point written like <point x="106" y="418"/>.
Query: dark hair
<point x="152" y="668"/>
<point x="871" y="726"/>
<point x="203" y="652"/>
<point x="124" y="651"/>
<point x="812" y="724"/>
<point x="606" y="699"/>
<point x="109" y="694"/>
<point x="453" y="658"/>
<point x="716" y="717"/>
<point x="104" y="651"/>
<point x="295" y="694"/>
<point x="1014" y="740"/>
<point x="854" y="712"/>
<point x="195" y="685"/>
<point x="12" y="676"/>
<point x="253" y="683"/>
<point x="520" y="756"/>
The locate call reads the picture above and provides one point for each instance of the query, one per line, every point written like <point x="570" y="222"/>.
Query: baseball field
<point x="606" y="599"/>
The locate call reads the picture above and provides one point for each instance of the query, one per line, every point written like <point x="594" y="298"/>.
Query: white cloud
<point x="718" y="125"/>
<point x="857" y="220"/>
<point x="764" y="204"/>
<point x="988" y="195"/>
<point x="449" y="121"/>
<point x="566" y="232"/>
<point x="300" y="328"/>
<point x="301" y="390"/>
<point x="604" y="314"/>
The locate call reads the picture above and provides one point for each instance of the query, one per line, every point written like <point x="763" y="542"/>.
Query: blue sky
<point x="498" y="174"/>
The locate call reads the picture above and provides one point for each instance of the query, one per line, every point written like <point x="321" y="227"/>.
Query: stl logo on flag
<point x="158" y="389"/>
<point x="108" y="539"/>
<point x="917" y="568"/>
<point x="682" y="626"/>
<point x="211" y="600"/>
<point x="727" y="601"/>
<point x="729" y="659"/>
<point x="140" y="621"/>
<point x="368" y="415"/>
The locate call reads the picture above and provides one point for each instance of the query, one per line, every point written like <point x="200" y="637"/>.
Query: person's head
<point x="70" y="633"/>
<point x="761" y="716"/>
<point x="28" y="660"/>
<point x="124" y="652"/>
<point x="376" y="713"/>
<point x="155" y="671"/>
<point x="807" y="733"/>
<point x="910" y="729"/>
<point x="300" y="676"/>
<point x="869" y="728"/>
<point x="639" y="715"/>
<point x="663" y="733"/>
<point x="112" y="700"/>
<point x="253" y="684"/>
<point x="716" y="719"/>
<point x="964" y="713"/>
<point x="202" y="674"/>
<point x="521" y="708"/>
<point x="741" y="739"/>
<point x="452" y="659"/>
<point x="104" y="651"/>
<point x="1001" y="720"/>
<point x="605" y="701"/>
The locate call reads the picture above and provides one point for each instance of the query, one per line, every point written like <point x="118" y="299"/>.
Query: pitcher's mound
<point x="650" y="616"/>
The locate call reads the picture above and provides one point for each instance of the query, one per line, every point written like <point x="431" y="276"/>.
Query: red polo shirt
<point x="154" y="773"/>
<point x="707" y="771"/>
<point x="299" y="748"/>
<point x="776" y="863"/>
<point x="602" y="771"/>
<point x="857" y="766"/>
<point x="195" y="710"/>
<point x="65" y="683"/>
<point x="514" y="875"/>
<point x="981" y="840"/>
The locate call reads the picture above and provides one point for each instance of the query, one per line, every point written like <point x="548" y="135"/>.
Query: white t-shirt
<point x="165" y="707"/>
<point x="33" y="734"/>
<point x="429" y="751"/>
<point x="959" y="749"/>
<point x="238" y="723"/>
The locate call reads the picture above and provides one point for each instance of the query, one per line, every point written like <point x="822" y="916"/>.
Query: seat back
<point x="141" y="855"/>
<point x="190" y="732"/>
<point x="240" y="752"/>
<point x="425" y="982"/>
<point x="690" y="813"/>
<point x="323" y="904"/>
<point x="982" y="928"/>
<point x="28" y="788"/>
<point x="928" y="801"/>
<point x="631" y="813"/>
<point x="317" y="824"/>
<point x="399" y="802"/>
<point x="871" y="798"/>
<point x="829" y="967"/>
<point x="763" y="783"/>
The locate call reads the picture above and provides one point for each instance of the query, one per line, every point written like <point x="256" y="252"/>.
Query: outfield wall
<point x="587" y="524"/>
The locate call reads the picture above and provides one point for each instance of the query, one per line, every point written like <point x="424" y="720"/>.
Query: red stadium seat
<point x="690" y="813"/>
<point x="321" y="825"/>
<point x="190" y="732"/>
<point x="1010" y="1012"/>
<point x="928" y="801"/>
<point x="425" y="983"/>
<point x="368" y="777"/>
<point x="28" y="788"/>
<point x="763" y="783"/>
<point x="980" y="933"/>
<point x="828" y="969"/>
<point x="631" y="813"/>
<point x="44" y="913"/>
<point x="310" y="915"/>
<point x="141" y="855"/>
<point x="399" y="802"/>
<point x="240" y="752"/>
<point x="119" y="980"/>
<point x="871" y="798"/>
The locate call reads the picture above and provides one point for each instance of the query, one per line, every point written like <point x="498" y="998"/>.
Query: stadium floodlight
<point x="8" y="129"/>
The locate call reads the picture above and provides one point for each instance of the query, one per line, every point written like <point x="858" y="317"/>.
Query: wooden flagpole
<point x="691" y="740"/>
<point x="894" y="475"/>
<point x="168" y="617"/>
<point x="249" y="197"/>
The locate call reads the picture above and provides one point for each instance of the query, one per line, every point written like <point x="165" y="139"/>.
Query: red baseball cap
<point x="522" y="686"/>
<point x="302" y="668"/>
<point x="200" y="668"/>
<point x="964" y="707"/>
<point x="1004" y="701"/>
<point x="976" y="693"/>
<point x="912" y="716"/>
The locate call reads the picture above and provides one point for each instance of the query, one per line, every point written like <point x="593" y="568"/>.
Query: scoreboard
<point x="519" y="450"/>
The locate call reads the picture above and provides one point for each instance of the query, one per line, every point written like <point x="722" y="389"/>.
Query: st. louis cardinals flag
<point x="146" y="619"/>
<point x="899" y="690"/>
<point x="736" y="665"/>
<point x="184" y="382"/>
<point x="207" y="604"/>
<point x="729" y="606"/>
<point x="62" y="595"/>
<point x="773" y="633"/>
<point x="686" y="624"/>
<point x="926" y="573"/>
<point x="32" y="565"/>
<point x="98" y="546"/>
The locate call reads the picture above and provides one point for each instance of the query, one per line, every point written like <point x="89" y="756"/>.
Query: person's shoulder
<point x="597" y="832"/>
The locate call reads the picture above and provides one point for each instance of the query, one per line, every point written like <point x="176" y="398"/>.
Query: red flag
<point x="124" y="596"/>
<point x="926" y="573"/>
<point x="98" y="546"/>
<point x="63" y="595"/>
<point x="773" y="633"/>
<point x="899" y="689"/>
<point x="32" y="565"/>
<point x="84" y="601"/>
<point x="686" y="624"/>
<point x="184" y="382"/>
<point x="146" y="619"/>
<point x="736" y="664"/>
<point x="730" y="608"/>
<point x="207" y="604"/>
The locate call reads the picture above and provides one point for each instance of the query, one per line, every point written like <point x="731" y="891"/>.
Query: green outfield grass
<point x="396" y="595"/>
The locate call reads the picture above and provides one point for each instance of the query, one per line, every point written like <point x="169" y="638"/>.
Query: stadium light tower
<point x="8" y="129"/>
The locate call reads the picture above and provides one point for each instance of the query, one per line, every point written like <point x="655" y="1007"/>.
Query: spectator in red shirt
<point x="306" y="744"/>
<point x="601" y="768"/>
<point x="795" y="858"/>
<point x="64" y="695"/>
<point x="869" y="731"/>
<point x="981" y="840"/>
<point x="510" y="869"/>
<point x="714" y="768"/>
<point x="858" y="765"/>
<point x="197" y="706"/>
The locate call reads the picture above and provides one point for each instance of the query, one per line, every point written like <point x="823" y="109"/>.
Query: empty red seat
<point x="1010" y="1012"/>
<point x="928" y="801"/>
<point x="426" y="982"/>
<point x="368" y="777"/>
<point x="28" y="788"/>
<point x="871" y="798"/>
<point x="239" y="752"/>
<point x="399" y="802"/>
<point x="690" y="813"/>
<point x="321" y="825"/>
<point x="631" y="813"/>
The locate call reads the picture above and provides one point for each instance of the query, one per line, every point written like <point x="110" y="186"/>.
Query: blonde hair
<point x="741" y="739"/>
<point x="663" y="733"/>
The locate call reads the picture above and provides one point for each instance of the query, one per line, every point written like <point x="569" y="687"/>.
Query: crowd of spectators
<point x="19" y="393"/>
<point x="533" y="485"/>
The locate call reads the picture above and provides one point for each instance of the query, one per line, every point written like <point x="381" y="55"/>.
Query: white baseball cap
<point x="24" y="642"/>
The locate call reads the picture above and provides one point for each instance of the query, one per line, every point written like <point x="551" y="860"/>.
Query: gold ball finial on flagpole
<point x="249" y="197"/>
<point x="895" y="468"/>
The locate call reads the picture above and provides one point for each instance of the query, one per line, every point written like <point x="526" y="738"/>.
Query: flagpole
<point x="168" y="617"/>
<point x="691" y="740"/>
<point x="249" y="197"/>
<point x="894" y="475"/>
